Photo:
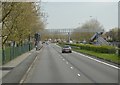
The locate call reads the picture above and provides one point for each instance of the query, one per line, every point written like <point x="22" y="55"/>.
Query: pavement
<point x="11" y="68"/>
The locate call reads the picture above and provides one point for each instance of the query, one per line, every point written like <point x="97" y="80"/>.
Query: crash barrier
<point x="11" y="52"/>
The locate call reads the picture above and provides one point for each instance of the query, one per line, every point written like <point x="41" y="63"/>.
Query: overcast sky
<point x="74" y="14"/>
<point x="80" y="0"/>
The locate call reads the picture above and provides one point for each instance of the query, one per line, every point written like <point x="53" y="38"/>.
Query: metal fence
<point x="11" y="52"/>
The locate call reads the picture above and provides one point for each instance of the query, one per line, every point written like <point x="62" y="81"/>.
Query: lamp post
<point x="29" y="42"/>
<point x="68" y="37"/>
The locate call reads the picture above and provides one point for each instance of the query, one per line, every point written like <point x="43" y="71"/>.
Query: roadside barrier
<point x="11" y="52"/>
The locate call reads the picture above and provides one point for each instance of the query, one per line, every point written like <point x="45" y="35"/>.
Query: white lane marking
<point x="71" y="67"/>
<point x="63" y="59"/>
<point x="78" y="74"/>
<point x="66" y="62"/>
<point x="97" y="60"/>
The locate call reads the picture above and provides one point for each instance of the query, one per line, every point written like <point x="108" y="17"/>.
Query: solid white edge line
<point x="95" y="59"/>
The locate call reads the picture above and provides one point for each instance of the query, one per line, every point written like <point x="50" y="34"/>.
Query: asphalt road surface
<point x="52" y="66"/>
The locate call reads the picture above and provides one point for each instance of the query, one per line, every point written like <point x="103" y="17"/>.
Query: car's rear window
<point x="66" y="46"/>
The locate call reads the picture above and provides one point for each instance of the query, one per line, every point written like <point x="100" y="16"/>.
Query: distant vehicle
<point x="47" y="43"/>
<point x="70" y="42"/>
<point x="84" y="42"/>
<point x="66" y="49"/>
<point x="43" y="42"/>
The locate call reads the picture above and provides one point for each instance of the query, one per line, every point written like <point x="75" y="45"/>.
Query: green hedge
<point x="100" y="49"/>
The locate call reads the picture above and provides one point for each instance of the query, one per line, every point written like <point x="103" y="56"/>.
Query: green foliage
<point x="109" y="57"/>
<point x="113" y="34"/>
<point x="87" y="30"/>
<point x="19" y="21"/>
<point x="91" y="50"/>
<point x="99" y="49"/>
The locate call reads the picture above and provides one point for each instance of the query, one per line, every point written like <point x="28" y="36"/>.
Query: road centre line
<point x="71" y="67"/>
<point x="78" y="74"/>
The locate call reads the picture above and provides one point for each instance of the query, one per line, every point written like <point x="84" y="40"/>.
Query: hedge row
<point x="100" y="49"/>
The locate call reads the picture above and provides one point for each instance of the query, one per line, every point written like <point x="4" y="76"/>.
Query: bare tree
<point x="86" y="31"/>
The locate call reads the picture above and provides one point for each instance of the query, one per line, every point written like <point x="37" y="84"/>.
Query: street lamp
<point x="29" y="42"/>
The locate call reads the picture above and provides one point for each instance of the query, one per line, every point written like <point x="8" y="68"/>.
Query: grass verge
<point x="105" y="56"/>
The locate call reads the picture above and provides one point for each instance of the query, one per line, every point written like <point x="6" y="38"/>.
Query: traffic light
<point x="37" y="36"/>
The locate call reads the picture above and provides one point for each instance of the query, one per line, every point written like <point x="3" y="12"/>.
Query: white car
<point x="66" y="49"/>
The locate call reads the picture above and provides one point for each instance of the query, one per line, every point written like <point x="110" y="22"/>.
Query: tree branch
<point x="3" y="18"/>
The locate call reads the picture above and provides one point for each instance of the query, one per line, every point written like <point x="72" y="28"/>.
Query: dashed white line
<point x="78" y="74"/>
<point x="66" y="62"/>
<point x="71" y="67"/>
<point x="63" y="59"/>
<point x="95" y="59"/>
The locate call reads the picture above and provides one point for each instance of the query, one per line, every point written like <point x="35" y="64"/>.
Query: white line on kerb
<point x="98" y="60"/>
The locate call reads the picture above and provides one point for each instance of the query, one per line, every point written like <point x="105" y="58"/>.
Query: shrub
<point x="100" y="49"/>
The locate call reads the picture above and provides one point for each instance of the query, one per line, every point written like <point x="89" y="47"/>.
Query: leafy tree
<point x="113" y="34"/>
<point x="0" y="24"/>
<point x="87" y="30"/>
<point x="0" y="12"/>
<point x="20" y="20"/>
